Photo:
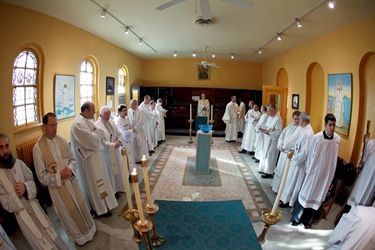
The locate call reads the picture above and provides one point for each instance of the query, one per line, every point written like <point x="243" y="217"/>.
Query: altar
<point x="203" y="154"/>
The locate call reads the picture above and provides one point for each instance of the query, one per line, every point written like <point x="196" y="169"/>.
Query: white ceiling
<point x="237" y="30"/>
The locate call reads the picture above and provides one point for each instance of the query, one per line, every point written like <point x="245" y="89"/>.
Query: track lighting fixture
<point x="175" y="54"/>
<point x="331" y="4"/>
<point x="279" y="38"/>
<point x="213" y="55"/>
<point x="194" y="55"/>
<point x="232" y="56"/>
<point x="259" y="51"/>
<point x="299" y="25"/>
<point x="103" y="14"/>
<point x="140" y="41"/>
<point x="126" y="30"/>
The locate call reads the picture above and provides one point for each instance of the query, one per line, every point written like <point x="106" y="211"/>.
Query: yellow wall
<point x="63" y="47"/>
<point x="338" y="52"/>
<point x="182" y="72"/>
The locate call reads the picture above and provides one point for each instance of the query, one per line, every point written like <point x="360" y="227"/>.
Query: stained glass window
<point x="121" y="81"/>
<point x="87" y="82"/>
<point x="25" y="89"/>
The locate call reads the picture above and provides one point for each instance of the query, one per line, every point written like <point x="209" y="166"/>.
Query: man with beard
<point x="17" y="194"/>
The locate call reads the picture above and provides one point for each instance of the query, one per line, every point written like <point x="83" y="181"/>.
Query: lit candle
<point x="138" y="196"/>
<point x="212" y="110"/>
<point x="285" y="175"/>
<point x="145" y="177"/>
<point x="190" y="111"/>
<point x="126" y="178"/>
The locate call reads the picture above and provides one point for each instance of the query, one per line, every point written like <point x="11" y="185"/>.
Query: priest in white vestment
<point x="145" y="107"/>
<point x="55" y="167"/>
<point x="137" y="124"/>
<point x="86" y="139"/>
<point x="296" y="174"/>
<point x="241" y="115"/>
<point x="271" y="130"/>
<point x="287" y="140"/>
<point x="154" y="123"/>
<point x="320" y="170"/>
<point x="248" y="138"/>
<point x="112" y="144"/>
<point x="230" y="119"/>
<point x="161" y="114"/>
<point x="17" y="195"/>
<point x="127" y="133"/>
<point x="364" y="189"/>
<point x="355" y="230"/>
<point x="203" y="108"/>
<point x="259" y="138"/>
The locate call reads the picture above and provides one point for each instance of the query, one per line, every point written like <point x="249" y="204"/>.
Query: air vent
<point x="201" y="21"/>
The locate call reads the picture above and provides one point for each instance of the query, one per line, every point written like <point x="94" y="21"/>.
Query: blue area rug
<point x="205" y="225"/>
<point x="194" y="178"/>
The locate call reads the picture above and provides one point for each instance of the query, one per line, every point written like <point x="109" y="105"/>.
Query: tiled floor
<point x="115" y="233"/>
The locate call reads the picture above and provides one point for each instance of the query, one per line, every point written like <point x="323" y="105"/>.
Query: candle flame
<point x="144" y="158"/>
<point x="134" y="172"/>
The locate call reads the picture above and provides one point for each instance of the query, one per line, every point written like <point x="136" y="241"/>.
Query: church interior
<point x="64" y="36"/>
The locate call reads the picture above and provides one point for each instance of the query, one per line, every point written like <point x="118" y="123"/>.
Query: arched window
<point x="121" y="85"/>
<point x="26" y="90"/>
<point x="86" y="86"/>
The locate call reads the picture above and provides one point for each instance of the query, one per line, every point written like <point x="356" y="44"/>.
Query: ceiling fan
<point x="204" y="63"/>
<point x="205" y="6"/>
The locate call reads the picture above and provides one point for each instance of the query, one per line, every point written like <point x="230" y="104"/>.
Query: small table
<point x="203" y="151"/>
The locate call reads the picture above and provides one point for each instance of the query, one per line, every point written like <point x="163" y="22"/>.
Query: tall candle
<point x="126" y="178"/>
<point x="212" y="110"/>
<point x="138" y="196"/>
<point x="145" y="177"/>
<point x="190" y="111"/>
<point x="285" y="175"/>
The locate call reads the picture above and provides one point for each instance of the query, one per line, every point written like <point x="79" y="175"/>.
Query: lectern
<point x="203" y="151"/>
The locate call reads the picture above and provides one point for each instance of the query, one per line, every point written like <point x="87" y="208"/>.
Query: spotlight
<point x="126" y="30"/>
<point x="175" y="54"/>
<point x="259" y="51"/>
<point x="331" y="4"/>
<point x="194" y="55"/>
<point x="103" y="14"/>
<point x="213" y="55"/>
<point x="279" y="37"/>
<point x="140" y="41"/>
<point x="299" y="25"/>
<point x="232" y="56"/>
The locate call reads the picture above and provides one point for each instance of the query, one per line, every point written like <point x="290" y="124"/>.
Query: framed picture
<point x="295" y="101"/>
<point x="203" y="72"/>
<point x="110" y="85"/>
<point x="64" y="96"/>
<point x="340" y="100"/>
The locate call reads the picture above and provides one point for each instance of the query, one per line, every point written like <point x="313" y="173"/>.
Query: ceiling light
<point x="194" y="55"/>
<point x="140" y="41"/>
<point x="232" y="56"/>
<point x="126" y="30"/>
<point x="213" y="54"/>
<point x="331" y="4"/>
<point x="104" y="12"/>
<point x="259" y="51"/>
<point x="279" y="37"/>
<point x="175" y="54"/>
<point x="299" y="25"/>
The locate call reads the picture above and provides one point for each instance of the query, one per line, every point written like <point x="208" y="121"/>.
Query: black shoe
<point x="242" y="151"/>
<point x="309" y="226"/>
<point x="266" y="176"/>
<point x="251" y="153"/>
<point x="261" y="172"/>
<point x="294" y="223"/>
<point x="117" y="195"/>
<point x="257" y="161"/>
<point x="253" y="158"/>
<point x="227" y="141"/>
<point x="152" y="151"/>
<point x="282" y="205"/>
<point x="107" y="214"/>
<point x="233" y="141"/>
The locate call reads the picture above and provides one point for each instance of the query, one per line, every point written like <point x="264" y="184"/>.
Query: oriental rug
<point x="205" y="225"/>
<point x="172" y="177"/>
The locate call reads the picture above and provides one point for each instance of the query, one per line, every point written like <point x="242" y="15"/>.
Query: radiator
<point x="25" y="152"/>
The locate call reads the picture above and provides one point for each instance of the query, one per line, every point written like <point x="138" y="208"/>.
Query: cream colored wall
<point x="338" y="52"/>
<point x="183" y="72"/>
<point x="64" y="48"/>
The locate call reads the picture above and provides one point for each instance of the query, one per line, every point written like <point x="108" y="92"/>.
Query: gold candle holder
<point x="151" y="209"/>
<point x="191" y="122"/>
<point x="143" y="229"/>
<point x="132" y="217"/>
<point x="211" y="121"/>
<point x="269" y="220"/>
